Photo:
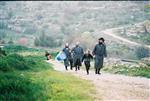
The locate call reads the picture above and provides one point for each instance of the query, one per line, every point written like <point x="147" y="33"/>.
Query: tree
<point x="30" y="30"/>
<point x="2" y="41"/>
<point x="146" y="30"/>
<point x="46" y="41"/>
<point x="36" y="42"/>
<point x="10" y="14"/>
<point x="2" y="3"/>
<point x="10" y="41"/>
<point x="2" y="34"/>
<point x="142" y="52"/>
<point x="3" y="25"/>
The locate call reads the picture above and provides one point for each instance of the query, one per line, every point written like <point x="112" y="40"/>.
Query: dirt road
<point x="110" y="87"/>
<point x="110" y="33"/>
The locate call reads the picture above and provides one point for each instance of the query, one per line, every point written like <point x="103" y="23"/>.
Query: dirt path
<point x="110" y="33"/>
<point x="112" y="87"/>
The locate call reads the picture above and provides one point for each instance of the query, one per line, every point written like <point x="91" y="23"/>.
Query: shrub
<point x="46" y="41"/>
<point x="2" y="34"/>
<point x="142" y="52"/>
<point x="131" y="71"/>
<point x="146" y="61"/>
<point x="30" y="29"/>
<point x="13" y="61"/>
<point x="3" y="25"/>
<point x="14" y="87"/>
<point x="4" y="66"/>
<point x="17" y="48"/>
<point x="10" y="42"/>
<point x="17" y="61"/>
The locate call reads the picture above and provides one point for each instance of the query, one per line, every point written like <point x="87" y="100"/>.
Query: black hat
<point x="101" y="39"/>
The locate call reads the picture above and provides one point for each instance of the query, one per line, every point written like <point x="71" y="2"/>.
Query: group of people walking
<point x="76" y="55"/>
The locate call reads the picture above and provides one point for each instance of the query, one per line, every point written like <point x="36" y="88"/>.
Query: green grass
<point x="25" y="76"/>
<point x="44" y="85"/>
<point x="64" y="87"/>
<point x="134" y="71"/>
<point x="13" y="62"/>
<point x="16" y="87"/>
<point x="18" y="48"/>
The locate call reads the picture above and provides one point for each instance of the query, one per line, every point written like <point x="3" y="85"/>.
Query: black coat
<point x="66" y="50"/>
<point x="77" y="55"/>
<point x="99" y="52"/>
<point x="87" y="57"/>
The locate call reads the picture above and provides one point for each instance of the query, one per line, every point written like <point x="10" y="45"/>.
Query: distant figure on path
<point x="99" y="52"/>
<point x="87" y="59"/>
<point x="48" y="56"/>
<point x="68" y="59"/>
<point x="77" y="56"/>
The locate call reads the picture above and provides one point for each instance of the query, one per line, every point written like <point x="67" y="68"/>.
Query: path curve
<point x="110" y="33"/>
<point x="111" y="87"/>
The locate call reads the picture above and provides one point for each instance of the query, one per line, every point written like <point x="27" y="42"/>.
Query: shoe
<point x="99" y="73"/>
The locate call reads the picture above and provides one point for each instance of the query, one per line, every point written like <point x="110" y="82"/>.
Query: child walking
<point x="87" y="59"/>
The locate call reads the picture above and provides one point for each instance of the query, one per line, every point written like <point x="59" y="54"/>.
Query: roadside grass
<point x="124" y="70"/>
<point x="130" y="71"/>
<point x="25" y="76"/>
<point x="13" y="62"/>
<point x="64" y="87"/>
<point x="16" y="87"/>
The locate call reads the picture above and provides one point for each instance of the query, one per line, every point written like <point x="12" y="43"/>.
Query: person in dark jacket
<point x="68" y="59"/>
<point x="77" y="56"/>
<point x="99" y="53"/>
<point x="48" y="56"/>
<point x="87" y="59"/>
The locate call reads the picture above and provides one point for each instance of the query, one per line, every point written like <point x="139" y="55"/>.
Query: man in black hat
<point x="99" y="52"/>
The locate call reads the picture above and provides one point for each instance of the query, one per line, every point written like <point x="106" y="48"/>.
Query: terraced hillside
<point x="52" y="23"/>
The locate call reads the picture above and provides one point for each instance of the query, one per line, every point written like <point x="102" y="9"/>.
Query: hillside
<point x="139" y="32"/>
<point x="32" y="34"/>
<point x="51" y="23"/>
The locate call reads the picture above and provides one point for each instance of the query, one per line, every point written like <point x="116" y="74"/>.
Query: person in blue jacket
<point x="68" y="61"/>
<point x="77" y="56"/>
